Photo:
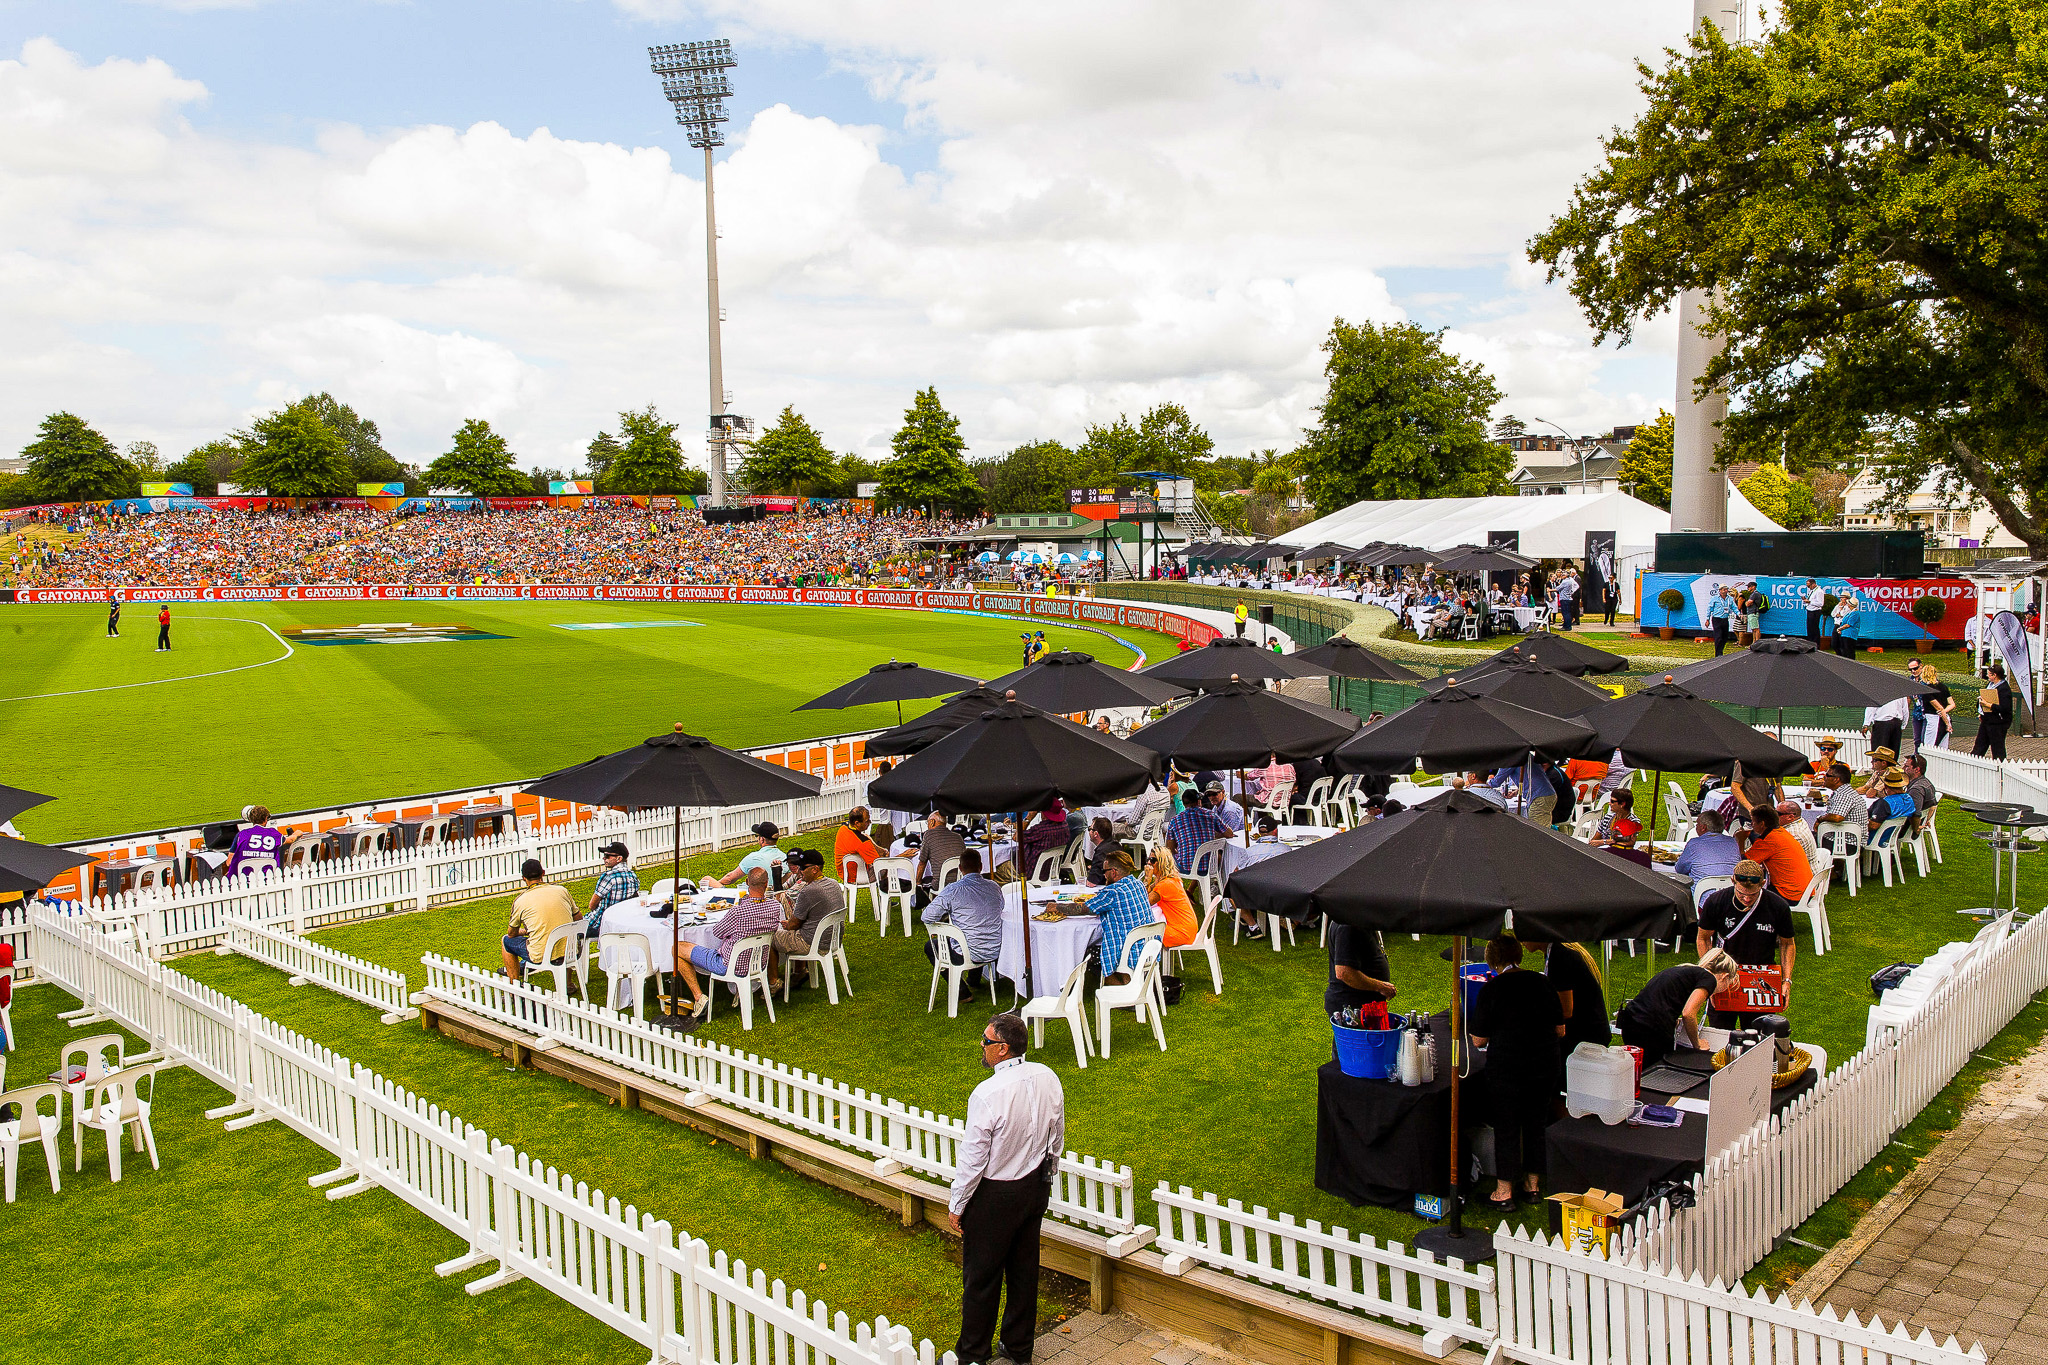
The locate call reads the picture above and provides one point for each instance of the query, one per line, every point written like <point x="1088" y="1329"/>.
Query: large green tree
<point x="1164" y="439"/>
<point x="1404" y="418"/>
<point x="292" y="453"/>
<point x="598" y="456"/>
<point x="71" y="462"/>
<point x="368" y="460"/>
<point x="1034" y="477"/>
<point x="479" y="463"/>
<point x="789" y="457"/>
<point x="1646" y="464"/>
<point x="649" y="457"/>
<point x="1859" y="192"/>
<point x="207" y="467"/>
<point x="926" y="468"/>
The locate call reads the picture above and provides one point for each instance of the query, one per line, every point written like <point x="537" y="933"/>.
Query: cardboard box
<point x="1588" y="1220"/>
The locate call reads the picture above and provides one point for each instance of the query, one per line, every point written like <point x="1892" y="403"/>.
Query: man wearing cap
<point x="1754" y="923"/>
<point x="768" y="858"/>
<point x="616" y="883"/>
<point x="1227" y="810"/>
<point x="814" y="896"/>
<point x="1829" y="746"/>
<point x="1197" y="825"/>
<point x="1886" y="725"/>
<point x="541" y="908"/>
<point x="1265" y="844"/>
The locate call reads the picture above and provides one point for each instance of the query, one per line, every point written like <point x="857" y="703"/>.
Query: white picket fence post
<point x="303" y="961"/>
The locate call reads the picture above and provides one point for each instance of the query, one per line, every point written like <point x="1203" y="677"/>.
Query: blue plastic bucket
<point x="1368" y="1053"/>
<point x="1476" y="975"/>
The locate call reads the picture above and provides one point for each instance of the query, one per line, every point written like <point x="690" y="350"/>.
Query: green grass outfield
<point x="131" y="739"/>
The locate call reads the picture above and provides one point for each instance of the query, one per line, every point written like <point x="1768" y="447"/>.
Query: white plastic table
<point x="1056" y="949"/>
<point x="635" y="917"/>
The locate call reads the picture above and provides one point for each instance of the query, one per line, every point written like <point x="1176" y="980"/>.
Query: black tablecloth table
<point x="1381" y="1142"/>
<point x="1586" y="1154"/>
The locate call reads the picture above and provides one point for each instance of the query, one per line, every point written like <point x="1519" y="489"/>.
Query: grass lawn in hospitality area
<point x="229" y="1233"/>
<point x="243" y="710"/>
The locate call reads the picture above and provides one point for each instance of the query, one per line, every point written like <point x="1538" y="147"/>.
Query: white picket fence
<point x="1560" y="1307"/>
<point x="896" y="1136"/>
<point x="1450" y="1302"/>
<point x="304" y="961"/>
<point x="310" y="895"/>
<point x="669" y="1293"/>
<point x="1781" y="1172"/>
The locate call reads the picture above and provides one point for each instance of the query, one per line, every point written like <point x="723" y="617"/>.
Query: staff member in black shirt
<point x="1519" y="1021"/>
<point x="1576" y="980"/>
<point x="1358" y="969"/>
<point x="1672" y="999"/>
<point x="1995" y="718"/>
<point x="1753" y="925"/>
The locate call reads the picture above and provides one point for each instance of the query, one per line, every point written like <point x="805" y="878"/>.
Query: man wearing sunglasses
<point x="1754" y="924"/>
<point x="1016" y="1129"/>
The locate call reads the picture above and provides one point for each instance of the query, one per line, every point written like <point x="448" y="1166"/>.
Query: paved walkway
<point x="1961" y="1246"/>
<point x="1109" y="1339"/>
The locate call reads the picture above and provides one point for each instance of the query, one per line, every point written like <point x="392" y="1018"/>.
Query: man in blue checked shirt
<point x="616" y="883"/>
<point x="1122" y="906"/>
<point x="1195" y="826"/>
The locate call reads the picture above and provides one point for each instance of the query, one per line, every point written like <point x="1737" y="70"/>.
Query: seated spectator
<point x="1782" y="856"/>
<point x="616" y="883"/>
<point x="1710" y="852"/>
<point x="753" y="913"/>
<point x="853" y="838"/>
<point x="1794" y="824"/>
<point x="1922" y="791"/>
<point x="1847" y="807"/>
<point x="1618" y="827"/>
<point x="258" y="847"/>
<point x="813" y="897"/>
<point x="1895" y="802"/>
<point x="974" y="906"/>
<point x="765" y="858"/>
<point x="1047" y="834"/>
<point x="1169" y="895"/>
<point x="1196" y="825"/>
<point x="1486" y="788"/>
<point x="1122" y="905"/>
<point x="939" y="845"/>
<point x="1272" y="781"/>
<point x="1100" y="841"/>
<point x="1881" y="761"/>
<point x="1828" y="746"/>
<point x="539" y="910"/>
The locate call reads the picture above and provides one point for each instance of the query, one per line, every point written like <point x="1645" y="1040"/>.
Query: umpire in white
<point x="1016" y="1129"/>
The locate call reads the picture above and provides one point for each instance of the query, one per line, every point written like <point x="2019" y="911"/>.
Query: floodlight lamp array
<point x="693" y="80"/>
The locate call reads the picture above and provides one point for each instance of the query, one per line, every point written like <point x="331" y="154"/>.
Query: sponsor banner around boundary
<point x="1884" y="605"/>
<point x="1081" y="610"/>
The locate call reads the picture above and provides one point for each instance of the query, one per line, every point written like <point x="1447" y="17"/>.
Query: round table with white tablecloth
<point x="1056" y="948"/>
<point x="699" y="925"/>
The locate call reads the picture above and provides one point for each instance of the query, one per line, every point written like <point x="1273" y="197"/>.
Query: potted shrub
<point x="1671" y="599"/>
<point x="1928" y="611"/>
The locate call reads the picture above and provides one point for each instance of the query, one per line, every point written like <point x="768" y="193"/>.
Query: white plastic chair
<point x="1207" y="868"/>
<point x="1204" y="941"/>
<point x="118" y="1103"/>
<point x="1470" y="630"/>
<point x="662" y="889"/>
<point x="632" y="961"/>
<point x="1814" y="905"/>
<point x="90" y="1055"/>
<point x="1929" y="835"/>
<point x="1677" y="814"/>
<point x="945" y="937"/>
<point x="1315" y="804"/>
<point x="1844" y="845"/>
<point x="32" y="1126"/>
<point x="949" y="872"/>
<point x="1141" y="994"/>
<point x="1047" y="872"/>
<point x="1884" y="845"/>
<point x="745" y="971"/>
<point x="892" y="888"/>
<point x="1070" y="1004"/>
<point x="827" y="955"/>
<point x="568" y="940"/>
<point x="855" y="876"/>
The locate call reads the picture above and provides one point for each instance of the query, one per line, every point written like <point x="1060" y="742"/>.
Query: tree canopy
<point x="789" y="457"/>
<point x="368" y="461"/>
<point x="1646" y="464"/>
<point x="1404" y="418"/>
<point x="649" y="458"/>
<point x="1859" y="192"/>
<point x="1034" y="477"/>
<point x="479" y="463"/>
<point x="69" y="461"/>
<point x="293" y="453"/>
<point x="926" y="469"/>
<point x="207" y="467"/>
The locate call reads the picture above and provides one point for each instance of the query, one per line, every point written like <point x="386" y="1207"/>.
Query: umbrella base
<point x="1472" y="1247"/>
<point x="676" y="1023"/>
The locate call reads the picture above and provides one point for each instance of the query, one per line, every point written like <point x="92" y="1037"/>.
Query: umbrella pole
<point x="1024" y="910"/>
<point x="1475" y="1246"/>
<point x="675" y="922"/>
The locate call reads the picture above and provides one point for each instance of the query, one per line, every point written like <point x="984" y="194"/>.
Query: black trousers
<point x="1813" y="628"/>
<point x="1653" y="1039"/>
<point x="1885" y="734"/>
<point x="113" y="625"/>
<point x="1613" y="606"/>
<point x="1518" y="1118"/>
<point x="163" y="637"/>
<point x="1720" y="635"/>
<point x="998" y="1252"/>
<point x="1845" y="645"/>
<point x="1990" y="737"/>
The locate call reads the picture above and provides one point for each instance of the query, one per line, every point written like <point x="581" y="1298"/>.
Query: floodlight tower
<point x="694" y="80"/>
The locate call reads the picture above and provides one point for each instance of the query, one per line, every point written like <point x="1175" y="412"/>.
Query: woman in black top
<point x="1519" y="1022"/>
<point x="1579" y="994"/>
<point x="1673" y="997"/>
<point x="1993" y="721"/>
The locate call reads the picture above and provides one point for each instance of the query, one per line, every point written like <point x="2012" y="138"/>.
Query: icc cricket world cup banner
<point x="1884" y="605"/>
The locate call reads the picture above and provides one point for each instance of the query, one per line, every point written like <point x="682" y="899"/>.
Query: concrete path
<point x="1961" y="1245"/>
<point x="1112" y="1339"/>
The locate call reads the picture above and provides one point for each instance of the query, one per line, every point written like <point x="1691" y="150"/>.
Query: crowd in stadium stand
<point x="606" y="544"/>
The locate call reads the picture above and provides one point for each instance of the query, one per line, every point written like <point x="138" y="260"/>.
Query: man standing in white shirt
<point x="1816" y="606"/>
<point x="1016" y="1129"/>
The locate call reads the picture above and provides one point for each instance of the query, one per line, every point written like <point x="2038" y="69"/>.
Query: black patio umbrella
<point x="892" y="681"/>
<point x="1070" y="681"/>
<point x="1016" y="758"/>
<point x="1486" y="561"/>
<point x="1462" y="866"/>
<point x="1239" y="723"/>
<point x="1526" y="682"/>
<point x="1668" y="729"/>
<point x="678" y="770"/>
<point x="1780" y="672"/>
<point x="1364" y="553"/>
<point x="933" y="725"/>
<point x="1227" y="657"/>
<point x="1410" y="556"/>
<point x="13" y="801"/>
<point x="1459" y="731"/>
<point x="1564" y="654"/>
<point x="1325" y="550"/>
<point x="27" y="867"/>
<point x="1346" y="658"/>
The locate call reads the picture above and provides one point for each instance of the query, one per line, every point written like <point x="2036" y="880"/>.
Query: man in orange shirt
<point x="1780" y="854"/>
<point x="852" y="839"/>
